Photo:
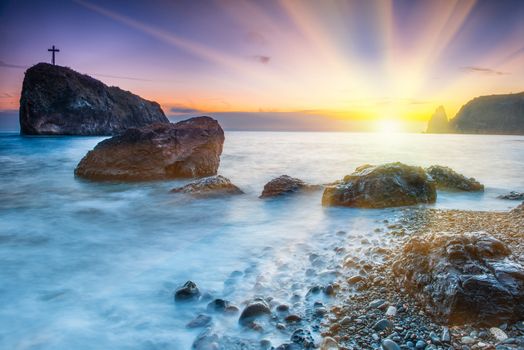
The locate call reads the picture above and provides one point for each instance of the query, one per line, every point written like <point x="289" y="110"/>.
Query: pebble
<point x="388" y="344"/>
<point x="498" y="334"/>
<point x="199" y="321"/>
<point x="445" y="336"/>
<point x="420" y="344"/>
<point x="391" y="311"/>
<point x="376" y="303"/>
<point x="467" y="340"/>
<point x="383" y="324"/>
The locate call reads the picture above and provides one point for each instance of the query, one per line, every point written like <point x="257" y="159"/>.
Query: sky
<point x="277" y="65"/>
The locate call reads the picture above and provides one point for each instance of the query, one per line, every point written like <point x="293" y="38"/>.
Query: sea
<point x="86" y="265"/>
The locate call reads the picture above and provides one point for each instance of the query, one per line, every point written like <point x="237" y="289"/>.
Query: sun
<point x="388" y="126"/>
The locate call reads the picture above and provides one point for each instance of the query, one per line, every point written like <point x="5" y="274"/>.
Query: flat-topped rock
<point x="285" y="184"/>
<point x="388" y="185"/>
<point x="447" y="179"/>
<point x="212" y="186"/>
<point x="187" y="149"/>
<point x="57" y="100"/>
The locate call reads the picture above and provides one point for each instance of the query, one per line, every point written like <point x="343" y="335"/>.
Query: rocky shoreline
<point x="378" y="313"/>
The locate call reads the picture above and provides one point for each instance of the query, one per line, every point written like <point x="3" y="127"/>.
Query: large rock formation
<point x="59" y="101"/>
<point x="388" y="185"/>
<point x="495" y="114"/>
<point x="447" y="179"/>
<point x="463" y="278"/>
<point x="190" y="148"/>
<point x="438" y="124"/>
<point x="213" y="186"/>
<point x="285" y="184"/>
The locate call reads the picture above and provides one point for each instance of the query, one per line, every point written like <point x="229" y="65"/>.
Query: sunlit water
<point x="94" y="266"/>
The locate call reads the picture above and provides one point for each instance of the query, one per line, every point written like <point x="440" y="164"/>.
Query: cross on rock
<point x="53" y="50"/>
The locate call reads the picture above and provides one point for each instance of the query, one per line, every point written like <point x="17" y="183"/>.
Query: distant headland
<point x="493" y="114"/>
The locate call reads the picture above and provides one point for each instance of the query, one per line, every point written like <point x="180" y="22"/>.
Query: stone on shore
<point x="463" y="278"/>
<point x="513" y="195"/>
<point x="447" y="179"/>
<point x="285" y="184"/>
<point x="256" y="309"/>
<point x="189" y="291"/>
<point x="57" y="100"/>
<point x="213" y="186"/>
<point x="388" y="185"/>
<point x="187" y="149"/>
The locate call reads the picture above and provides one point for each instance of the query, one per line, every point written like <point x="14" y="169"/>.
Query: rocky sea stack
<point x="387" y="185"/>
<point x="57" y="100"/>
<point x="187" y="149"/>
<point x="438" y="124"/>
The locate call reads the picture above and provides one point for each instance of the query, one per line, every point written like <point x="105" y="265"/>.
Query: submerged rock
<point x="285" y="184"/>
<point x="257" y="308"/>
<point x="190" y="148"/>
<point x="209" y="187"/>
<point x="57" y="100"/>
<point x="463" y="278"/>
<point x="447" y="179"/>
<point x="388" y="185"/>
<point x="189" y="291"/>
<point x="514" y="196"/>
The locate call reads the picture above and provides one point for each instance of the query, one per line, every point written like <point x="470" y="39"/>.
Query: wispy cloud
<point x="9" y="65"/>
<point x="261" y="58"/>
<point x="482" y="70"/>
<point x="5" y="95"/>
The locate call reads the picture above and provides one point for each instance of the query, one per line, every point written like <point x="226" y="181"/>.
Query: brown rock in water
<point x="447" y="179"/>
<point x="285" y="184"/>
<point x="187" y="149"/>
<point x="463" y="278"/>
<point x="57" y="100"/>
<point x="209" y="187"/>
<point x="388" y="185"/>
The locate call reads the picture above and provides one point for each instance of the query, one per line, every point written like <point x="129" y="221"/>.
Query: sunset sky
<point x="311" y="65"/>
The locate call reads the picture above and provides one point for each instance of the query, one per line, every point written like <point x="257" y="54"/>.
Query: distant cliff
<point x="438" y="123"/>
<point x="57" y="100"/>
<point x="494" y="114"/>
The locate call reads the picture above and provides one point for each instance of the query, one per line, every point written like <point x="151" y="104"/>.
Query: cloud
<point x="183" y="109"/>
<point x="5" y="95"/>
<point x="261" y="58"/>
<point x="9" y="65"/>
<point x="482" y="70"/>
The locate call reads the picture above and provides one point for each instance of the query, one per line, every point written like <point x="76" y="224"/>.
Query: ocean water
<point x="86" y="265"/>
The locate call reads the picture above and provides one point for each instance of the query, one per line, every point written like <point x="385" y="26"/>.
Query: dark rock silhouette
<point x="447" y="179"/>
<point x="463" y="278"/>
<point x="57" y="100"/>
<point x="495" y="114"/>
<point x="438" y="122"/>
<point x="187" y="149"/>
<point x="285" y="184"/>
<point x="388" y="185"/>
<point x="212" y="186"/>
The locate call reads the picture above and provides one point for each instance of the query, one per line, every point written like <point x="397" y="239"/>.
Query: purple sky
<point x="345" y="64"/>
